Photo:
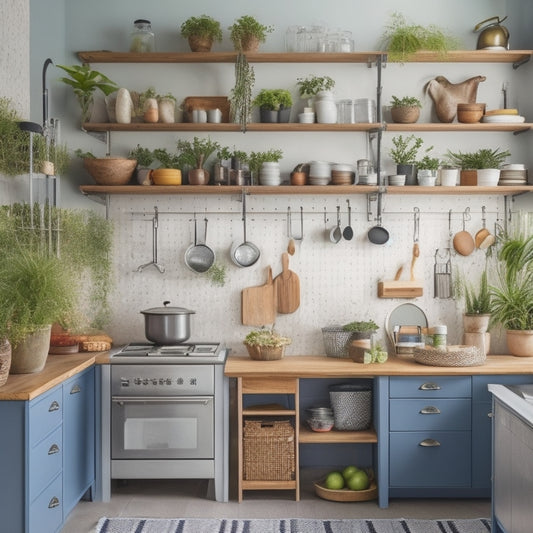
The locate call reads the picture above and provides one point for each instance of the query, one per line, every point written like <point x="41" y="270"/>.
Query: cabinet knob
<point x="429" y="443"/>
<point x="53" y="449"/>
<point x="75" y="389"/>
<point x="430" y="410"/>
<point x="54" y="502"/>
<point x="429" y="386"/>
<point x="54" y="406"/>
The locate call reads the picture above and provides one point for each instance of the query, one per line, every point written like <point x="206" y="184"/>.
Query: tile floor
<point x="187" y="499"/>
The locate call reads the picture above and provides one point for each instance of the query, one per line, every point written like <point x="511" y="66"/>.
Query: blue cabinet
<point x="47" y="459"/>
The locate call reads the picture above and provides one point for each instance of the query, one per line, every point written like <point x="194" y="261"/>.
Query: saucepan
<point x="167" y="325"/>
<point x="199" y="257"/>
<point x="247" y="253"/>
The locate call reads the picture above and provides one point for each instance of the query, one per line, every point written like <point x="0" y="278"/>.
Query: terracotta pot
<point x="30" y="355"/>
<point x="480" y="340"/>
<point x="405" y="114"/>
<point x="468" y="177"/>
<point x="298" y="178"/>
<point x="520" y="342"/>
<point x="198" y="176"/>
<point x="200" y="44"/>
<point x="476" y="323"/>
<point x="249" y="43"/>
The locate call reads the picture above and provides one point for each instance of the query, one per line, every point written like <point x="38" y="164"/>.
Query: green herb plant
<point x="266" y="337"/>
<point x="482" y="158"/>
<point x="167" y="159"/>
<point x="312" y="85"/>
<point x="246" y="28"/>
<point x="405" y="101"/>
<point x="256" y="159"/>
<point x="477" y="297"/>
<point x="203" y="26"/>
<point x="273" y="99"/>
<point x="144" y="156"/>
<point x="405" y="149"/>
<point x="361" y="326"/>
<point x="195" y="153"/>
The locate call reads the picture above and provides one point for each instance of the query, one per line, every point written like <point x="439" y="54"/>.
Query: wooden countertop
<point x="330" y="367"/>
<point x="58" y="368"/>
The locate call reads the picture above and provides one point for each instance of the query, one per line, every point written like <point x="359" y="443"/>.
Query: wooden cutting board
<point x="258" y="304"/>
<point x="287" y="288"/>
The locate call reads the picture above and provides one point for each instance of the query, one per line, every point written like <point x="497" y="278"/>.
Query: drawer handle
<point x="429" y="443"/>
<point x="430" y="410"/>
<point x="429" y="386"/>
<point x="75" y="389"/>
<point x="54" y="502"/>
<point x="53" y="449"/>
<point x="490" y="414"/>
<point x="54" y="406"/>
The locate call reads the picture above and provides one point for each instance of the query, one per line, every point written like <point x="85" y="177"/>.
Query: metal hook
<point x="416" y="224"/>
<point x="289" y="225"/>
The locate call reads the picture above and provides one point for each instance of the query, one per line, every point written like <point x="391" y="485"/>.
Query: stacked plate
<point x="513" y="175"/>
<point x="319" y="173"/>
<point x="269" y="174"/>
<point x="503" y="116"/>
<point x="342" y="174"/>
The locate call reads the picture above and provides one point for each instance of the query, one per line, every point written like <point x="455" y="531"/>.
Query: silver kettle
<point x="493" y="34"/>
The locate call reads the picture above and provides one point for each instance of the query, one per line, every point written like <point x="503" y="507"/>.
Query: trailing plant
<point x="195" y="153"/>
<point x="266" y="337"/>
<point x="241" y="94"/>
<point x="245" y="27"/>
<point x="273" y="99"/>
<point x="84" y="82"/>
<point x="144" y="156"/>
<point x="217" y="274"/>
<point x="203" y="26"/>
<point x="405" y="101"/>
<point x="482" y="158"/>
<point x="310" y="86"/>
<point x="405" y="149"/>
<point x="402" y="39"/>
<point x="360" y="326"/>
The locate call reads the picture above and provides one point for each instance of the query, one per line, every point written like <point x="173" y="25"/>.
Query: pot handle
<point x="478" y="26"/>
<point x="166" y="302"/>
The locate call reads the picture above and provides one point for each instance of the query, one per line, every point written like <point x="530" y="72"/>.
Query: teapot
<point x="492" y="35"/>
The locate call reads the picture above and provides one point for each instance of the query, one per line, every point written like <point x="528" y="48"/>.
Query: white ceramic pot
<point x="325" y="108"/>
<point x="449" y="177"/>
<point x="488" y="177"/>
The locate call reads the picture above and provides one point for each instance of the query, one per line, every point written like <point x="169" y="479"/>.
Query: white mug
<point x="214" y="115"/>
<point x="199" y="115"/>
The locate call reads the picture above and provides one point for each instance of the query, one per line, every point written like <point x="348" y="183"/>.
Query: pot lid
<point x="167" y="310"/>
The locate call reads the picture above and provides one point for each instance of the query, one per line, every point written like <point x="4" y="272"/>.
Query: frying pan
<point x="199" y="257"/>
<point x="463" y="242"/>
<point x="247" y="253"/>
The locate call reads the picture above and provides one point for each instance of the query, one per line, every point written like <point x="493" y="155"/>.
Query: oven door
<point x="177" y="427"/>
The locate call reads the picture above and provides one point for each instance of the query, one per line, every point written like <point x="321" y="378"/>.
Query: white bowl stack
<point x="319" y="173"/>
<point x="513" y="174"/>
<point x="269" y="174"/>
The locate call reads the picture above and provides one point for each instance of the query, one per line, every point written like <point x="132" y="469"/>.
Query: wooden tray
<point x="347" y="495"/>
<point x="206" y="102"/>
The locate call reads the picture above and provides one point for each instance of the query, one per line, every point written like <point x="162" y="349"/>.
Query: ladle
<point x="247" y="253"/>
<point x="378" y="234"/>
<point x="335" y="233"/>
<point x="416" y="248"/>
<point x="463" y="242"/>
<point x="199" y="257"/>
<point x="348" y="231"/>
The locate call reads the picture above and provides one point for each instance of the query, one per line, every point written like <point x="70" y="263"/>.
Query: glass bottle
<point x="142" y="37"/>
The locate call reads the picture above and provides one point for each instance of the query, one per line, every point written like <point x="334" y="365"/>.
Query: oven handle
<point x="121" y="400"/>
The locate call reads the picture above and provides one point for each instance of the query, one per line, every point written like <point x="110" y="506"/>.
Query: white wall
<point x="338" y="282"/>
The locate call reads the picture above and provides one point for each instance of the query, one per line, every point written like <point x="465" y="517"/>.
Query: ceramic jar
<point x="151" y="111"/>
<point x="269" y="174"/>
<point x="167" y="110"/>
<point x="325" y="108"/>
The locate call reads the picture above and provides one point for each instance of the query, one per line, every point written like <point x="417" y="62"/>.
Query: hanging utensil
<point x="483" y="238"/>
<point x="378" y="234"/>
<point x="442" y="281"/>
<point x="153" y="262"/>
<point x="199" y="257"/>
<point x="463" y="242"/>
<point x="416" y="249"/>
<point x="335" y="233"/>
<point x="348" y="231"/>
<point x="291" y="248"/>
<point x="247" y="253"/>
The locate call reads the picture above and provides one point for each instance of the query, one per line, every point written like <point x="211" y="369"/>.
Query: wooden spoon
<point x="416" y="253"/>
<point x="291" y="247"/>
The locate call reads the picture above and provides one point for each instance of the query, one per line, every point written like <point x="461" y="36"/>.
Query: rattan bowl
<point x="459" y="355"/>
<point x="110" y="170"/>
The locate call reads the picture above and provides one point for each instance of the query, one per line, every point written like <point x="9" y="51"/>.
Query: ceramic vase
<point x="325" y="108"/>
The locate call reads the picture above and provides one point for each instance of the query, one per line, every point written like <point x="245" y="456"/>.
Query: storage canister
<point x="352" y="405"/>
<point x="439" y="337"/>
<point x="365" y="110"/>
<point x="142" y="37"/>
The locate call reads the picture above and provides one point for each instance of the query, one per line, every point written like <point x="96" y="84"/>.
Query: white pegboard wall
<point x="338" y="281"/>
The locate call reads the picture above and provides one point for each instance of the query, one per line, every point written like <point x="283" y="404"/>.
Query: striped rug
<point x="289" y="525"/>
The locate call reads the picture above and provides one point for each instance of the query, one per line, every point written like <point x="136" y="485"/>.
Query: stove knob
<point x="168" y="381"/>
<point x="154" y="381"/>
<point x="179" y="381"/>
<point x="124" y="382"/>
<point x="137" y="381"/>
<point x="145" y="381"/>
<point x="161" y="381"/>
<point x="192" y="381"/>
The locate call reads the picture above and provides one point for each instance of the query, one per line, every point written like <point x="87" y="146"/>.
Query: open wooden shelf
<point x="457" y="126"/>
<point x="307" y="436"/>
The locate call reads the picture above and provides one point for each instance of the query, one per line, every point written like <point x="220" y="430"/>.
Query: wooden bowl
<point x="110" y="170"/>
<point x="347" y="495"/>
<point x="470" y="113"/>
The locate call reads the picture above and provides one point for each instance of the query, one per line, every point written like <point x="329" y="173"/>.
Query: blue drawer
<point x="45" y="415"/>
<point x="46" y="461"/>
<point x="480" y="383"/>
<point x="430" y="387"/>
<point x="434" y="413"/>
<point x="446" y="464"/>
<point x="46" y="512"/>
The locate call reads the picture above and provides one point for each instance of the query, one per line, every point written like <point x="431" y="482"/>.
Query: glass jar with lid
<point x="142" y="37"/>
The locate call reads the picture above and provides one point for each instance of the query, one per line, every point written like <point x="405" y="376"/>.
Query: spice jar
<point x="142" y="37"/>
<point x="439" y="337"/>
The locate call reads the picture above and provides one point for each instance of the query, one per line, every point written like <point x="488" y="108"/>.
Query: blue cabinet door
<point x="78" y="436"/>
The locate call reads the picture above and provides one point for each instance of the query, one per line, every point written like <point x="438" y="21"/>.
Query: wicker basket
<point x="5" y="361"/>
<point x="110" y="170"/>
<point x="352" y="406"/>
<point x="336" y="341"/>
<point x="459" y="355"/>
<point x="265" y="353"/>
<point x="269" y="453"/>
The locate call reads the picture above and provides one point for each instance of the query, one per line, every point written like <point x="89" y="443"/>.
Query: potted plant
<point x="36" y="290"/>
<point x="266" y="344"/>
<point x="402" y="39"/>
<point x="404" y="154"/>
<point x="427" y="168"/>
<point x="201" y="32"/>
<point x="145" y="158"/>
<point x="483" y="159"/>
<point x="317" y="91"/>
<point x="312" y="85"/>
<point x="241" y="94"/>
<point x="405" y="110"/>
<point x="274" y="105"/>
<point x="84" y="82"/>
<point x="195" y="154"/>
<point x="512" y="292"/>
<point x="361" y="329"/>
<point x="257" y="159"/>
<point x="246" y="33"/>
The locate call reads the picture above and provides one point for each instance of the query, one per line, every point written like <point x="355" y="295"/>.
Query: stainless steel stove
<point x="167" y="411"/>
